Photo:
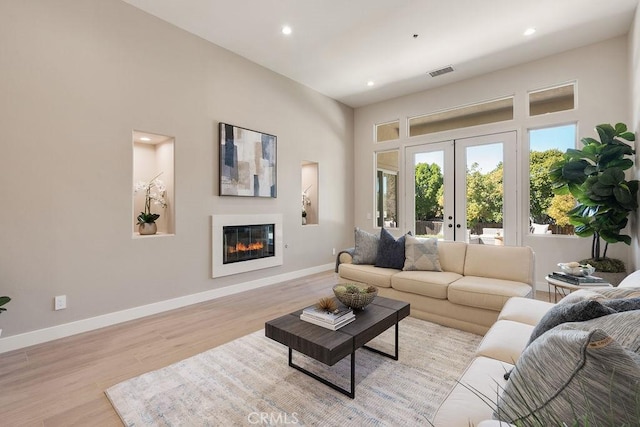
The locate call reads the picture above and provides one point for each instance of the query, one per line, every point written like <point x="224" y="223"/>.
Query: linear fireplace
<point x="246" y="242"/>
<point x="242" y="243"/>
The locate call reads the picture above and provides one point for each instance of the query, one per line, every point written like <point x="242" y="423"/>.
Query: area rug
<point x="248" y="382"/>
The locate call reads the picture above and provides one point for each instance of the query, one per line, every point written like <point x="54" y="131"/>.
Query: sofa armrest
<point x="631" y="281"/>
<point x="344" y="257"/>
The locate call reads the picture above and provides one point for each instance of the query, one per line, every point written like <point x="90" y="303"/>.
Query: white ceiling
<point x="338" y="45"/>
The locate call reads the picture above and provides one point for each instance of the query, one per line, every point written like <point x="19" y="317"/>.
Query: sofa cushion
<point x="421" y="254"/>
<point x="505" y="341"/>
<point x="428" y="283"/>
<point x="484" y="292"/>
<point x="451" y="256"/>
<point x="524" y="310"/>
<point x="513" y="263"/>
<point x="465" y="406"/>
<point x="366" y="248"/>
<point x="390" y="251"/>
<point x="568" y="375"/>
<point x="367" y="274"/>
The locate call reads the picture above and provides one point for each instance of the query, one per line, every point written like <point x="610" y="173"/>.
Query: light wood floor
<point x="62" y="383"/>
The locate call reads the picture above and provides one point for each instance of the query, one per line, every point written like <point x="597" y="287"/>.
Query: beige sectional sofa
<point x="506" y="343"/>
<point x="468" y="294"/>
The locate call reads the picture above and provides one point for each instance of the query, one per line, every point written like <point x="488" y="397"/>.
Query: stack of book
<point x="333" y="321"/>
<point x="578" y="280"/>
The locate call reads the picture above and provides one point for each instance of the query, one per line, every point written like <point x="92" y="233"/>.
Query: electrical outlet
<point x="333" y="251"/>
<point x="60" y="302"/>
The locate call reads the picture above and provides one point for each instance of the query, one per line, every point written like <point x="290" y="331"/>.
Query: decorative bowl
<point x="353" y="296"/>
<point x="576" y="269"/>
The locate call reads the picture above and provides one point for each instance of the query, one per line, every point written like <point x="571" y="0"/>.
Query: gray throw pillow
<point x="366" y="248"/>
<point x="572" y="377"/>
<point x="622" y="304"/>
<point x="562" y="313"/>
<point x="390" y="251"/>
<point x="421" y="254"/>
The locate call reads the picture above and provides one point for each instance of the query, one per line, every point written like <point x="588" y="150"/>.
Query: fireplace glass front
<point x="247" y="242"/>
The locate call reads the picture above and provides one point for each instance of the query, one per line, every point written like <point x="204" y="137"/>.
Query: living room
<point x="79" y="77"/>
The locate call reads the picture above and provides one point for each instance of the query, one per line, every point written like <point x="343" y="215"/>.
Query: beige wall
<point x="603" y="97"/>
<point x="77" y="76"/>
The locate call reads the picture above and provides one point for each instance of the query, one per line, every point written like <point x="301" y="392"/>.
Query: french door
<point x="463" y="189"/>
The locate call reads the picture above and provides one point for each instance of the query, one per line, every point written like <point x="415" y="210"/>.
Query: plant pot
<point x="147" y="228"/>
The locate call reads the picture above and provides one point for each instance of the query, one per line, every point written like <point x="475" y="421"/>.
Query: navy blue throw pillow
<point x="390" y="251"/>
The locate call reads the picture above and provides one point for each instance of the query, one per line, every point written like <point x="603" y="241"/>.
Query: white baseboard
<point x="39" y="336"/>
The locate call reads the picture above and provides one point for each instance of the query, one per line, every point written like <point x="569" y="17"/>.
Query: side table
<point x="563" y="288"/>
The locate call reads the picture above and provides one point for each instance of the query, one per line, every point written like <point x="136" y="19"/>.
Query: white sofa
<point x="468" y="294"/>
<point x="497" y="354"/>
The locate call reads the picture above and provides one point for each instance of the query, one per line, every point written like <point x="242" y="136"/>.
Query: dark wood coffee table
<point x="329" y="347"/>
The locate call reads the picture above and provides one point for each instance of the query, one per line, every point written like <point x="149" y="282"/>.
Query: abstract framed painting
<point x="247" y="162"/>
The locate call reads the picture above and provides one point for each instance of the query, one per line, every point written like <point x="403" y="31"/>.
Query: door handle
<point x="450" y="225"/>
<point x="458" y="226"/>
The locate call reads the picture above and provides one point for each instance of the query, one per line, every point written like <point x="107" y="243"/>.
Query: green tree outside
<point x="559" y="208"/>
<point x="484" y="195"/>
<point x="428" y="191"/>
<point x="485" y="192"/>
<point x="540" y="188"/>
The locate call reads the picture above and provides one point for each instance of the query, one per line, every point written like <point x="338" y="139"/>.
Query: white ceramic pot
<point x="147" y="228"/>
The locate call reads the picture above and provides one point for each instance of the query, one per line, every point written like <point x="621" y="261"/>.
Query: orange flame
<point x="241" y="247"/>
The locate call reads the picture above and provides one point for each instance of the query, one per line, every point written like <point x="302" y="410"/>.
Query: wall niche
<point x="153" y="178"/>
<point x="309" y="197"/>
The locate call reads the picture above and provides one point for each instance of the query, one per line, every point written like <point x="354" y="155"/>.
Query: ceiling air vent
<point x="441" y="71"/>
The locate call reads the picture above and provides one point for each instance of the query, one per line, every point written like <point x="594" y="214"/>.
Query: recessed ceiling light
<point x="370" y="83"/>
<point x="286" y="30"/>
<point x="529" y="31"/>
<point x="145" y="138"/>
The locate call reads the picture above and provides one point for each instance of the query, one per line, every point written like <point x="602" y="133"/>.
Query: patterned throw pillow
<point x="573" y="377"/>
<point x="390" y="251"/>
<point x="366" y="249"/>
<point x="622" y="327"/>
<point x="421" y="254"/>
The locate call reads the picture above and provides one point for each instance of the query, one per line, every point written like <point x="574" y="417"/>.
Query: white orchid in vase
<point x="154" y="192"/>
<point x="306" y="201"/>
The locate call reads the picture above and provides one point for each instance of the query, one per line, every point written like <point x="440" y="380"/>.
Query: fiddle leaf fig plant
<point x="595" y="176"/>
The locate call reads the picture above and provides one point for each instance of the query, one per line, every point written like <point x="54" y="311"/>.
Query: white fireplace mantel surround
<point x="218" y="269"/>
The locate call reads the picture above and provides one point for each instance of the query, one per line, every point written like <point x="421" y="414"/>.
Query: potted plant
<point x="595" y="176"/>
<point x="3" y="301"/>
<point x="154" y="192"/>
